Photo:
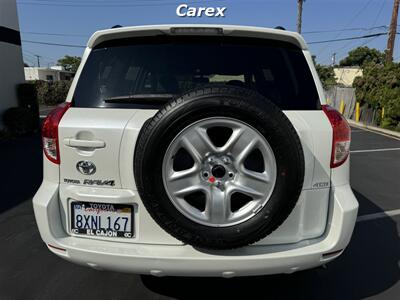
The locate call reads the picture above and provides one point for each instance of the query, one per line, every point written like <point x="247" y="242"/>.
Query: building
<point x="11" y="62"/>
<point x="54" y="73"/>
<point x="346" y="75"/>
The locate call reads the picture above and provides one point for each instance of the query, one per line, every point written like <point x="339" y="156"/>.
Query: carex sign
<point x="183" y="10"/>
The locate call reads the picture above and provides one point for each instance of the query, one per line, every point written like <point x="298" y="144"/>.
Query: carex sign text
<point x="183" y="10"/>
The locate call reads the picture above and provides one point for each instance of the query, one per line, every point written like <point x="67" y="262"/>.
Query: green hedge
<point x="379" y="87"/>
<point x="51" y="93"/>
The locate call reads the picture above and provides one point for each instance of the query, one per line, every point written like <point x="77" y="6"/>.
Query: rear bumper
<point x="184" y="260"/>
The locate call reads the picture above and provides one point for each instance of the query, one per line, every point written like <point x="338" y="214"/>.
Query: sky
<point x="73" y="21"/>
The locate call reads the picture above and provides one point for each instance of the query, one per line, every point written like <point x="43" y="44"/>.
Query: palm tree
<point x="299" y="14"/>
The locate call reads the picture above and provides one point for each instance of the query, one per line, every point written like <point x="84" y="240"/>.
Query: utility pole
<point x="392" y="32"/>
<point x="333" y="59"/>
<point x="299" y="14"/>
<point x="38" y="60"/>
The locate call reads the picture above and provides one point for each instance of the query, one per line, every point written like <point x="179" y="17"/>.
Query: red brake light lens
<point x="341" y="136"/>
<point x="50" y="132"/>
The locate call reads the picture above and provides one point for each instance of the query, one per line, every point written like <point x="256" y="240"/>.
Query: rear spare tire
<point x="219" y="168"/>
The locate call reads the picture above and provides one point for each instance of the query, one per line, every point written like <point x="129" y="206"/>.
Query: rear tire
<point x="234" y="103"/>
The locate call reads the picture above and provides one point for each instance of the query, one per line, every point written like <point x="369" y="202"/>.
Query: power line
<point x="33" y="54"/>
<point x="308" y="32"/>
<point x="53" y="44"/>
<point x="352" y="42"/>
<point x="28" y="57"/>
<point x="379" y="14"/>
<point x="348" y="38"/>
<point x="369" y="30"/>
<point x="310" y="43"/>
<point x="28" y="54"/>
<point x="54" y="34"/>
<point x="348" y="24"/>
<point x="346" y="29"/>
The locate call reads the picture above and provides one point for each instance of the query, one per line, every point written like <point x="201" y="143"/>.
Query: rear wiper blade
<point x="141" y="98"/>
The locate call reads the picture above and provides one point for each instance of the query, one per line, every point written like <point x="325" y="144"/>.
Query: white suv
<point x="196" y="150"/>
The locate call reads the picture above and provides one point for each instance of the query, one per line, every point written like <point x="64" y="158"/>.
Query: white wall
<point x="43" y="74"/>
<point x="11" y="62"/>
<point x="346" y="76"/>
<point x="31" y="73"/>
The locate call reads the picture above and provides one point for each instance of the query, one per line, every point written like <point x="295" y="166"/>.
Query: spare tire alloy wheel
<point x="219" y="175"/>
<point x="219" y="168"/>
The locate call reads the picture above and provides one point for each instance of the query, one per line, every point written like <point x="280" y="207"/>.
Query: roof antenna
<point x="116" y="26"/>
<point x="280" y="28"/>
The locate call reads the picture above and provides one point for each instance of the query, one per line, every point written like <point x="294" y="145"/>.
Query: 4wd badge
<point x="86" y="167"/>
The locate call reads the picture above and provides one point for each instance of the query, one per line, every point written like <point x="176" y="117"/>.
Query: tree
<point x="380" y="87"/>
<point x="325" y="73"/>
<point x="362" y="55"/>
<point x="70" y="63"/>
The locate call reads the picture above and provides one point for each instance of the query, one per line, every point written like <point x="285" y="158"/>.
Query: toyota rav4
<point x="196" y="150"/>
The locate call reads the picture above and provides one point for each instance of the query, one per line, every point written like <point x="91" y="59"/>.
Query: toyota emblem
<point x="86" y="167"/>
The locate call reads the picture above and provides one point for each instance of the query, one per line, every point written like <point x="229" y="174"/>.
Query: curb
<point x="374" y="128"/>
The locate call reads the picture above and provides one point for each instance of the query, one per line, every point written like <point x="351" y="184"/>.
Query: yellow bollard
<point x="357" y="112"/>
<point x="341" y="109"/>
<point x="328" y="101"/>
<point x="383" y="113"/>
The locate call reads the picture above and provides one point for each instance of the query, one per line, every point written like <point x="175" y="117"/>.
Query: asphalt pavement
<point x="369" y="268"/>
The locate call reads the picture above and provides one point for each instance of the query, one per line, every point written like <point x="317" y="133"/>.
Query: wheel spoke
<point x="249" y="187"/>
<point x="217" y="207"/>
<point x="262" y="177"/>
<point x="185" y="182"/>
<point x="243" y="151"/>
<point x="198" y="144"/>
<point x="191" y="148"/>
<point x="207" y="143"/>
<point x="188" y="190"/>
<point x="185" y="174"/>
<point x="234" y="139"/>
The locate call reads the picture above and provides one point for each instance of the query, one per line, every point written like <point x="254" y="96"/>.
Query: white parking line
<point x="384" y="214"/>
<point x="375" y="150"/>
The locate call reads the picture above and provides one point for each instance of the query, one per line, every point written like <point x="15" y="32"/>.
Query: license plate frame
<point x="96" y="207"/>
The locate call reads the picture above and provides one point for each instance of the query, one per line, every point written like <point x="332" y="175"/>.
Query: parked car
<point x="198" y="150"/>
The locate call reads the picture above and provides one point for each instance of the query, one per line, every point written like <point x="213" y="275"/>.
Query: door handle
<point x="72" y="142"/>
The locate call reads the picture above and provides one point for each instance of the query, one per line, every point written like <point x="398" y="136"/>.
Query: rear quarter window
<point x="147" y="72"/>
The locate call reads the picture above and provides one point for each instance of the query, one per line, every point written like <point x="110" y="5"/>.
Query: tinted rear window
<point x="147" y="72"/>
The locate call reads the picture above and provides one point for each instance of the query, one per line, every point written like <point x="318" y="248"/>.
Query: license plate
<point x="102" y="219"/>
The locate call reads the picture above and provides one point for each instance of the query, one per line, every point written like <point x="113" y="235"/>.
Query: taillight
<point x="50" y="132"/>
<point x="341" y="136"/>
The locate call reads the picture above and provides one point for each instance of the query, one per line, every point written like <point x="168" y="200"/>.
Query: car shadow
<point x="369" y="266"/>
<point x="21" y="170"/>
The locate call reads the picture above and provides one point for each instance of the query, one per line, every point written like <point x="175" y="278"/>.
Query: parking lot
<point x="368" y="268"/>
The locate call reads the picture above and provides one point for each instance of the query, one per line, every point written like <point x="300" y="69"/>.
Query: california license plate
<point x="102" y="219"/>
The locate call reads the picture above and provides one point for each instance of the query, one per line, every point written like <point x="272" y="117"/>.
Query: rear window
<point x="147" y="72"/>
